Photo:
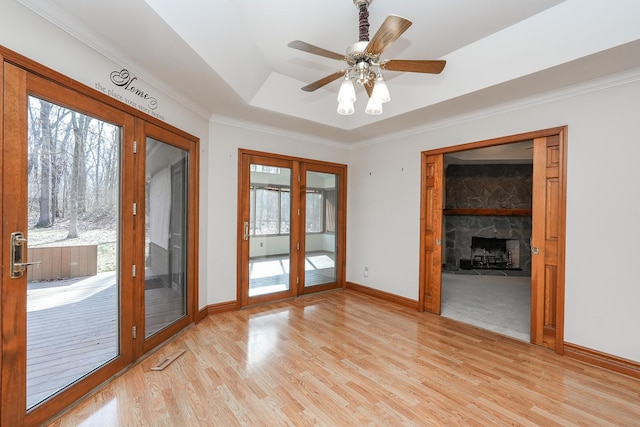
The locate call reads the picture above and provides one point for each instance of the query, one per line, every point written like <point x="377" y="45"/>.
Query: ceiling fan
<point x="363" y="62"/>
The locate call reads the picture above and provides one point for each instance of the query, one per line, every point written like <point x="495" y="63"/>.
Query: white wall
<point x="603" y="205"/>
<point x="278" y="245"/>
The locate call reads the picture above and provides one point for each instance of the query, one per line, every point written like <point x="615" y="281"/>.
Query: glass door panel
<point x="73" y="211"/>
<point x="269" y="229"/>
<point x="165" y="273"/>
<point x="321" y="216"/>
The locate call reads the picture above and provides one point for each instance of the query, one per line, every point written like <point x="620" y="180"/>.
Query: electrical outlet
<point x="365" y="273"/>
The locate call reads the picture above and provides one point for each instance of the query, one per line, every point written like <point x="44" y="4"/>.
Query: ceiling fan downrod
<point x="363" y="27"/>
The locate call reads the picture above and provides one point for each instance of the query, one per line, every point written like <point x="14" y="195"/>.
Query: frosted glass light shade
<point x="380" y="90"/>
<point x="347" y="92"/>
<point x="345" y="108"/>
<point x="374" y="106"/>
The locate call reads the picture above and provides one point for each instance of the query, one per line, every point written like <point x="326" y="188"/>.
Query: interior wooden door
<point x="291" y="227"/>
<point x="547" y="243"/>
<point x="431" y="233"/>
<point x="166" y="165"/>
<point x="269" y="245"/>
<point x="66" y="309"/>
<point x="322" y="227"/>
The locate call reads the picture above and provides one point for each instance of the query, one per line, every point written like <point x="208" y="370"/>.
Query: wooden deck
<point x="72" y="329"/>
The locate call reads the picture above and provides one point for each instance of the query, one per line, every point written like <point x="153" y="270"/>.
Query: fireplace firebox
<point x="493" y="254"/>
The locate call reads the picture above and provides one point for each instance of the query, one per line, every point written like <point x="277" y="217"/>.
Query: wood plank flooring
<point x="343" y="358"/>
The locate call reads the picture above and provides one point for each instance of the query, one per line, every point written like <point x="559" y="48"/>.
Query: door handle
<point x="18" y="246"/>
<point x="535" y="251"/>
<point x="246" y="230"/>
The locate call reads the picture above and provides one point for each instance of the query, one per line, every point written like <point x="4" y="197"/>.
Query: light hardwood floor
<point x="343" y="358"/>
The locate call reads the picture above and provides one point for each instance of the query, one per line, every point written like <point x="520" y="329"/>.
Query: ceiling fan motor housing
<point x="357" y="52"/>
<point x="361" y="61"/>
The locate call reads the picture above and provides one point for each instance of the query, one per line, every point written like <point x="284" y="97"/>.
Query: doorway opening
<point x="546" y="243"/>
<point x="486" y="272"/>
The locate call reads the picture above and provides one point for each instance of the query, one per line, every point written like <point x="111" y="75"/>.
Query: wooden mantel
<point x="487" y="212"/>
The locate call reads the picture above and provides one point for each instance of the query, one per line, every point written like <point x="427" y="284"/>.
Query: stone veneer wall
<point x="484" y="187"/>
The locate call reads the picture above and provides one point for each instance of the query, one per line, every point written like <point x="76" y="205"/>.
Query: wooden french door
<point x="99" y="238"/>
<point x="291" y="227"/>
<point x="548" y="232"/>
<point x="167" y="177"/>
<point x="62" y="335"/>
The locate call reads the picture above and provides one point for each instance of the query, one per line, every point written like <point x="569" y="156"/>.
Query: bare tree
<point x="80" y="124"/>
<point x="45" y="166"/>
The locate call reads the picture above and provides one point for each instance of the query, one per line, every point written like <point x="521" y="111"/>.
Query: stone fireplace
<point x="487" y="218"/>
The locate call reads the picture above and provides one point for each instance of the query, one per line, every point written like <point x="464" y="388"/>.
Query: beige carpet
<point x="500" y="304"/>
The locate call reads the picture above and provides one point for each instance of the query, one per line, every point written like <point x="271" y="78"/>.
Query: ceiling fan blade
<point x="326" y="80"/>
<point x="414" y="66"/>
<point x="306" y="47"/>
<point x="390" y="30"/>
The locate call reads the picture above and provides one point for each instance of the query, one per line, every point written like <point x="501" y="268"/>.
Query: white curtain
<point x="160" y="208"/>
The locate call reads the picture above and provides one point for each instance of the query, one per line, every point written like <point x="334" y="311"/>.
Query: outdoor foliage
<point x="73" y="171"/>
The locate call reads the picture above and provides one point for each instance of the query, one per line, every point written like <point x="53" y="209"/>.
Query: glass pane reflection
<point x="165" y="271"/>
<point x="320" y="234"/>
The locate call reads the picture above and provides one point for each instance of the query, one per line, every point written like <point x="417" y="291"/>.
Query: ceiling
<point x="229" y="59"/>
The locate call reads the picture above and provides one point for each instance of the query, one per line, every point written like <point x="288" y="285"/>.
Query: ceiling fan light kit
<point x="364" y="65"/>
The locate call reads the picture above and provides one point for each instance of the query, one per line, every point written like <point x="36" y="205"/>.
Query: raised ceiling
<point x="230" y="59"/>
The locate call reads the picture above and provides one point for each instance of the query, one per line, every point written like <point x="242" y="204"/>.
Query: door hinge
<point x="135" y="147"/>
<point x="298" y="245"/>
<point x="298" y="280"/>
<point x="134" y="332"/>
<point x="298" y="211"/>
<point x="135" y="208"/>
<point x="133" y="270"/>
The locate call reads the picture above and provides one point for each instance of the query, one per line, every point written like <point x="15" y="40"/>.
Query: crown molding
<point x="614" y="80"/>
<point x="272" y="130"/>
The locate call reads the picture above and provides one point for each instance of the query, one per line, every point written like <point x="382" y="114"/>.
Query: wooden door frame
<point x="427" y="270"/>
<point x="297" y="232"/>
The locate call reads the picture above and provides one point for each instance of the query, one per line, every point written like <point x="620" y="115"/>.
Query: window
<point x="271" y="207"/>
<point x="314" y="211"/>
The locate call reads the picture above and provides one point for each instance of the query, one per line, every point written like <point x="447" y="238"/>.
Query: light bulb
<point x="380" y="90"/>
<point x="347" y="92"/>
<point x="345" y="108"/>
<point x="374" y="106"/>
